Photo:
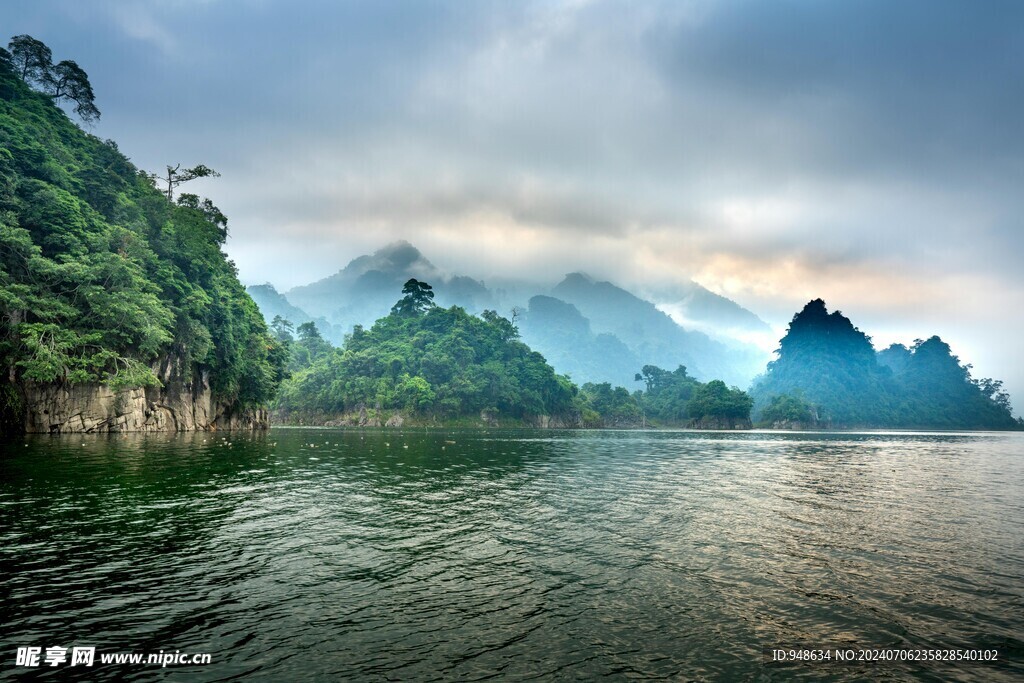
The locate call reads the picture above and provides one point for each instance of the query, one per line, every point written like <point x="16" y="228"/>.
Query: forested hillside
<point x="617" y="331"/>
<point x="828" y="373"/>
<point x="431" y="361"/>
<point x="440" y="365"/>
<point x="105" y="282"/>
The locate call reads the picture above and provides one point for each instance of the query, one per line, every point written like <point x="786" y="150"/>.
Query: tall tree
<point x="283" y="329"/>
<point x="419" y="298"/>
<point x="31" y="58"/>
<point x="68" y="81"/>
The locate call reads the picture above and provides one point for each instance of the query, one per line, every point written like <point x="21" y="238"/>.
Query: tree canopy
<point x="32" y="61"/>
<point x="429" y="361"/>
<point x="418" y="299"/>
<point x="444" y="364"/>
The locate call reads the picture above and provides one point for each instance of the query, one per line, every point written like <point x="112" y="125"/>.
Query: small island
<point x="828" y="375"/>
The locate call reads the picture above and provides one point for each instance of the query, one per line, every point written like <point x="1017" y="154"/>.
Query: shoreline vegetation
<point x="427" y="366"/>
<point x="119" y="311"/>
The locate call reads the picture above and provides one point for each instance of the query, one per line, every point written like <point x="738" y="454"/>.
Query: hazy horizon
<point x="867" y="154"/>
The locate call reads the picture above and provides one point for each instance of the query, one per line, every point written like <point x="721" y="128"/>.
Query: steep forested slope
<point x="828" y="368"/>
<point x="431" y="362"/>
<point x="113" y="299"/>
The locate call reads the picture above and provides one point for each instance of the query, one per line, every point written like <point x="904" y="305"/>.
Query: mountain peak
<point x="814" y="308"/>
<point x="400" y="254"/>
<point x="577" y="278"/>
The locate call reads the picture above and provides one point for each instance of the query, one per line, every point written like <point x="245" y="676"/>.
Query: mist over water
<point x="308" y="554"/>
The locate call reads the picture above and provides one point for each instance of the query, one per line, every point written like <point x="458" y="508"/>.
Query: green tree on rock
<point x="102" y="280"/>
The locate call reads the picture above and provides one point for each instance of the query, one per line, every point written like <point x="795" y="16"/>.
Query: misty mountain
<point x="369" y="285"/>
<point x="563" y="336"/>
<point x="272" y="304"/>
<point x="653" y="336"/>
<point x="698" y="308"/>
<point x="593" y="331"/>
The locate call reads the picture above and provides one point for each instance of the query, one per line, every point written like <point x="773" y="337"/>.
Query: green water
<point x="307" y="554"/>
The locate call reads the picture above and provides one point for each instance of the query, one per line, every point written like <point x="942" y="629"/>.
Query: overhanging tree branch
<point x="176" y="176"/>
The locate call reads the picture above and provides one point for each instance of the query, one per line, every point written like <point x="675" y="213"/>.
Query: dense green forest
<point x="101" y="274"/>
<point x="440" y="365"/>
<point x="427" y="360"/>
<point x="827" y="373"/>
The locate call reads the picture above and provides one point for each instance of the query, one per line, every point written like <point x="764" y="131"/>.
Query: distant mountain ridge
<point x="698" y="308"/>
<point x="593" y="331"/>
<point x="366" y="288"/>
<point x="273" y="304"/>
<point x="652" y="335"/>
<point x="561" y="334"/>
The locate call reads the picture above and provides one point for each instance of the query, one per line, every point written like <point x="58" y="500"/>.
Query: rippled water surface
<point x="307" y="554"/>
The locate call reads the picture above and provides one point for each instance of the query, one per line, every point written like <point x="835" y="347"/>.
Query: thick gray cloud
<point x="867" y="152"/>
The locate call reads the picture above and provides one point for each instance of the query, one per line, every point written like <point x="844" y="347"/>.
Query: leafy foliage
<point x="787" y="408"/>
<point x="427" y="361"/>
<point x="714" y="401"/>
<point x="667" y="394"/>
<point x="101" y="276"/>
<point x="602" y="405"/>
<point x="418" y="299"/>
<point x="30" y="58"/>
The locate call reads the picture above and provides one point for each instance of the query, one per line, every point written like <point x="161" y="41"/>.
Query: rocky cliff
<point x="714" y="423"/>
<point x="185" y="402"/>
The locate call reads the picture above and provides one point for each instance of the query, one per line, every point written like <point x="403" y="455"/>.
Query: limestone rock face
<point x="721" y="423"/>
<point x="793" y="425"/>
<point x="185" y="403"/>
<point x="568" y="421"/>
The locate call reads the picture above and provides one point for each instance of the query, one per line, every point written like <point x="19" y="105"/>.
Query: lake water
<point x="308" y="554"/>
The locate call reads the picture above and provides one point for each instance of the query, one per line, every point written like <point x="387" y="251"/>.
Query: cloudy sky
<point x="870" y="153"/>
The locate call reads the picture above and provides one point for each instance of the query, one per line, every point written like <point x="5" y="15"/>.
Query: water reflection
<point x="438" y="554"/>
